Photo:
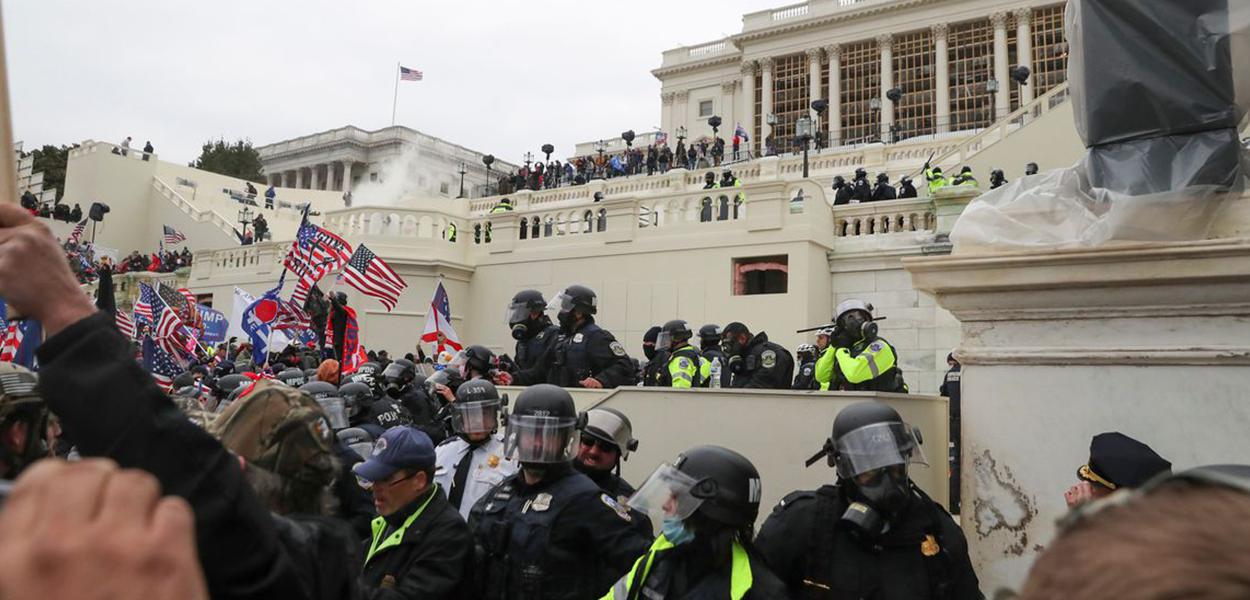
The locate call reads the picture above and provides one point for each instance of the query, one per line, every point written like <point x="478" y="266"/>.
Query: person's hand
<point x="35" y="279"/>
<point x="1079" y="494"/>
<point x="445" y="392"/>
<point x="592" y="383"/>
<point x="89" y="530"/>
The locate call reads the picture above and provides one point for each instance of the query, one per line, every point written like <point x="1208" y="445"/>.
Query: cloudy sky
<point x="500" y="76"/>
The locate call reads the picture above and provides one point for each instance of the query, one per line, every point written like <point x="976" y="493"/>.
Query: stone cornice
<point x="816" y="22"/>
<point x="697" y="65"/>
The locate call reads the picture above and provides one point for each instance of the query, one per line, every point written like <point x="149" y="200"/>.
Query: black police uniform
<point x="616" y="486"/>
<point x="843" y="195"/>
<point x="531" y="349"/>
<point x="653" y="373"/>
<point x="862" y="189"/>
<point x="806" y="379"/>
<point x="562" y="539"/>
<point x="923" y="555"/>
<point x="766" y="366"/>
<point x="424" y="413"/>
<point x="386" y="413"/>
<point x="711" y="353"/>
<point x="591" y="351"/>
<point x="883" y="191"/>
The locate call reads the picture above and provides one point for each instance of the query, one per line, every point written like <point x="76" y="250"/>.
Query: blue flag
<point x="257" y="319"/>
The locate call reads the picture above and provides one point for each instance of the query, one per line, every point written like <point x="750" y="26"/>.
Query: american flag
<point x="172" y="335"/>
<point x="438" y="328"/>
<point x="160" y="364"/>
<point x="369" y="274"/>
<point x="12" y="341"/>
<point x="406" y="74"/>
<point x="76" y="234"/>
<point x="172" y="236"/>
<point x="315" y="254"/>
<point x="126" y="325"/>
<point x="147" y="300"/>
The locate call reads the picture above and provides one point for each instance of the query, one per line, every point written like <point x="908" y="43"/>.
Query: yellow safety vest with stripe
<point x="687" y="368"/>
<point x="936" y="181"/>
<point x="501" y="207"/>
<point x="875" y="359"/>
<point x="740" y="579"/>
<point x="824" y="368"/>
<point x="379" y="526"/>
<point x="449" y="234"/>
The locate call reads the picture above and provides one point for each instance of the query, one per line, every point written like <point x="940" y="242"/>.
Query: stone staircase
<point x="193" y="212"/>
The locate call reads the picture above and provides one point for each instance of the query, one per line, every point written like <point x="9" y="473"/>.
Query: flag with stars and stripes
<point x="173" y="236"/>
<point x="406" y="74"/>
<point x="126" y="325"/>
<point x="373" y="277"/>
<point x="160" y="364"/>
<point x="315" y="254"/>
<point x="146" y="303"/>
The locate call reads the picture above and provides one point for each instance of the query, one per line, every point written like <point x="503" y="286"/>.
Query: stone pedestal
<point x="948" y="204"/>
<point x="1152" y="340"/>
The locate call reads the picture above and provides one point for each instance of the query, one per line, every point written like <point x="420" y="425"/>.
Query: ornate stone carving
<point x="681" y="95"/>
<point x="1024" y="16"/>
<point x="749" y="68"/>
<point x="728" y="87"/>
<point x="885" y="41"/>
<point x="938" y="30"/>
<point x="998" y="20"/>
<point x="666" y="98"/>
<point x="834" y="52"/>
<point x="766" y="64"/>
<point x="814" y="54"/>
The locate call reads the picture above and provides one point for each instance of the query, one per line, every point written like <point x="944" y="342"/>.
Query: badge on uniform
<point x="683" y="364"/>
<point x="492" y="460"/>
<point x="577" y="339"/>
<point x="541" y="502"/>
<point x="875" y="346"/>
<point x="616" y="507"/>
<point x="929" y="547"/>
<point x="617" y="348"/>
<point x="768" y="359"/>
<point x="540" y="335"/>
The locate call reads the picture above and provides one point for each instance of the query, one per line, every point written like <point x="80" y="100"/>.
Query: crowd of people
<point x="287" y="475"/>
<point x="87" y="264"/>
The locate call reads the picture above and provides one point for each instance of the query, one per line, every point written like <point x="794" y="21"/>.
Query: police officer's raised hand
<point x="34" y="277"/>
<point x="592" y="383"/>
<point x="89" y="530"/>
<point x="445" y="392"/>
<point x="502" y="378"/>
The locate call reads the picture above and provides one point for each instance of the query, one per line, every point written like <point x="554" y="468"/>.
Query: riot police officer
<point x="707" y="500"/>
<point x="686" y="367"/>
<point x="327" y="395"/>
<point x="657" y="358"/>
<point x="586" y="355"/>
<point x="709" y="345"/>
<point x="471" y="462"/>
<point x="606" y="441"/>
<point x="860" y="188"/>
<point x="399" y="381"/>
<point x="23" y="420"/>
<point x="477" y="362"/>
<point x="842" y="191"/>
<point x="548" y="532"/>
<point x="358" y="398"/>
<point x="755" y="361"/>
<point x="883" y="190"/>
<point x="874" y="534"/>
<point x="997" y="179"/>
<point x="805" y="379"/>
<point x="532" y="329"/>
<point x="292" y="377"/>
<point x="858" y="359"/>
<point x="906" y="189"/>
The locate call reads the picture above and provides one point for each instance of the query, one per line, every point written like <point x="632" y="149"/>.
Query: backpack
<point x="279" y="429"/>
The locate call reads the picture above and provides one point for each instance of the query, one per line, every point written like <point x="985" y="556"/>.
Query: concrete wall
<point x="1051" y="141"/>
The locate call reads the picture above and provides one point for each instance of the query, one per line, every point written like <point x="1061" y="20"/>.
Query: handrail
<point x="998" y="127"/>
<point x="191" y="210"/>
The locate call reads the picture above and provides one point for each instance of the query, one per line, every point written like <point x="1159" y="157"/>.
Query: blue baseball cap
<point x="399" y="448"/>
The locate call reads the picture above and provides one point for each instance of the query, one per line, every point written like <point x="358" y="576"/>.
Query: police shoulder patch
<point x="683" y="363"/>
<point x="541" y="335"/>
<point x="616" y="507"/>
<point x="768" y="359"/>
<point x="617" y="348"/>
<point x="875" y="346"/>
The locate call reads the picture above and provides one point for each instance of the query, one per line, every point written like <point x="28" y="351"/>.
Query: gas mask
<point x="394" y="389"/>
<point x="519" y="330"/>
<point x="730" y="347"/>
<point x="853" y="324"/>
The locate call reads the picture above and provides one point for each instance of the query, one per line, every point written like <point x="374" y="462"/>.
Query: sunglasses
<point x="368" y="485"/>
<point x="591" y="441"/>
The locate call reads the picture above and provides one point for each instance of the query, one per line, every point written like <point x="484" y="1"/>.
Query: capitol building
<point x="1057" y="343"/>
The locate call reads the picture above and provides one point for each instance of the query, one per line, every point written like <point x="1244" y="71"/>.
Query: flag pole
<point x="395" y="99"/>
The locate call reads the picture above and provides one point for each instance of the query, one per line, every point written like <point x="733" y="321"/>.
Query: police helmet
<point x="937" y="170"/>
<point x="675" y="331"/>
<point x="577" y="297"/>
<point x="398" y="373"/>
<point x="20" y="402"/>
<point x="883" y="178"/>
<point x="710" y="333"/>
<point x="355" y="396"/>
<point x="523" y="303"/>
<point x="847" y="306"/>
<point x="710" y="177"/>
<point x="292" y="377"/>
<point x="476" y="409"/>
<point x="806" y="349"/>
<point x="358" y="439"/>
<point x="320" y="389"/>
<point x="838" y="181"/>
<point x="480" y="359"/>
<point x="611" y="426"/>
<point x="229" y="383"/>
<point x="370" y="367"/>
<point x="541" y="426"/>
<point x="860" y="172"/>
<point x="871" y="435"/>
<point x="966" y="169"/>
<point x="713" y="482"/>
<point x="905" y="179"/>
<point x="1030" y="168"/>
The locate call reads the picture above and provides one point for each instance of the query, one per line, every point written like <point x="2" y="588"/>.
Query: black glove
<point x="841" y="338"/>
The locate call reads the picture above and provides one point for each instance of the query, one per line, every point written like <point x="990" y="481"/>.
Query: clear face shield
<point x="336" y="412"/>
<point x="873" y="447"/>
<point x="664" y="341"/>
<point x="517" y="312"/>
<point x="560" y="303"/>
<point x="469" y="418"/>
<point x="540" y="439"/>
<point x="667" y="494"/>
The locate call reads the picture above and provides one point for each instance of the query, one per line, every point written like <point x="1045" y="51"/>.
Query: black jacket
<point x="891" y="567"/>
<point x="110" y="407"/>
<point x="765" y="365"/>
<point x="531" y="349"/>
<point x="431" y="562"/>
<point x="843" y="195"/>
<point x="591" y="351"/>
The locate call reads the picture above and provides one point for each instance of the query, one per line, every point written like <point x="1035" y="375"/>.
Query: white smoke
<point x="399" y="179"/>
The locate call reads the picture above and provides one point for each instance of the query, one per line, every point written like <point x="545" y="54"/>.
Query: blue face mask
<point x="675" y="531"/>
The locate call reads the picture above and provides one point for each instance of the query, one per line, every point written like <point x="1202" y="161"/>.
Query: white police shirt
<point x="489" y="467"/>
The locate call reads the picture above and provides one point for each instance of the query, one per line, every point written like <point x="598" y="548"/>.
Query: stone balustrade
<point x="883" y="218"/>
<point x="261" y="259"/>
<point x="92" y="146"/>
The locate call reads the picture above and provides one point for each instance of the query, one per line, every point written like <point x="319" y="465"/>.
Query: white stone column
<point x="1024" y="50"/>
<point x="746" y="101"/>
<point x="288" y="178"/>
<point x="834" y="52"/>
<point x="316" y="180"/>
<point x="681" y="110"/>
<point x="766" y="70"/>
<point x="347" y="176"/>
<point x="299" y="178"/>
<point x="814" y="58"/>
<point x="941" y="78"/>
<point x="1002" y="99"/>
<point x="666" y="113"/>
<point x="885" y="44"/>
<point x="729" y="108"/>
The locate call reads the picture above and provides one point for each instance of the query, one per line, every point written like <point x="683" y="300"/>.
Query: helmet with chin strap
<point x="20" y="403"/>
